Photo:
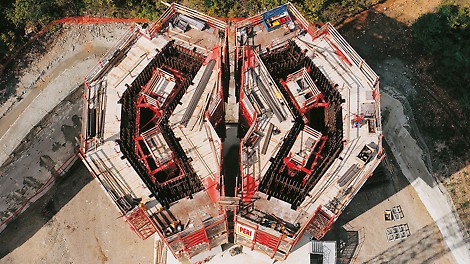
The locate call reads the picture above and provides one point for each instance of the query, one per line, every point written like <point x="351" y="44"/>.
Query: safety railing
<point x="300" y="19"/>
<point x="126" y="40"/>
<point x="344" y="46"/>
<point x="162" y="20"/>
<point x="187" y="11"/>
<point x="185" y="244"/>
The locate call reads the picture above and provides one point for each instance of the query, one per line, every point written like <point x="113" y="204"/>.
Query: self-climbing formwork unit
<point x="304" y="154"/>
<point x="153" y="118"/>
<point x="154" y="123"/>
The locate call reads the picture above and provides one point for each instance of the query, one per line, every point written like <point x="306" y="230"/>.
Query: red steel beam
<point x="317" y="156"/>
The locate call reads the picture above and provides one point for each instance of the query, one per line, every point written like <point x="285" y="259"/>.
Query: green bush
<point x="445" y="35"/>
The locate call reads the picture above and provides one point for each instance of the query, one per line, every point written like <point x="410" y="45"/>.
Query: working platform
<point x="154" y="124"/>
<point x="323" y="117"/>
<point x="153" y="114"/>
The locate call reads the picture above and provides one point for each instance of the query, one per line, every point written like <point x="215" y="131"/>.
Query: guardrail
<point x="311" y="29"/>
<point x="187" y="11"/>
<point x="344" y="46"/>
<point x="123" y="42"/>
<point x="162" y="20"/>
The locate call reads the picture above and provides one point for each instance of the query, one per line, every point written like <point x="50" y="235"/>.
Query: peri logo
<point x="245" y="232"/>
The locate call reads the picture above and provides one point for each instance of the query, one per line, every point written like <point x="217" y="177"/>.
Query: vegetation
<point x="8" y="32"/>
<point x="445" y="37"/>
<point x="21" y="18"/>
<point x="314" y="10"/>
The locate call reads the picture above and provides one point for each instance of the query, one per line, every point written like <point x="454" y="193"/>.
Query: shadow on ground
<point x="421" y="243"/>
<point x="40" y="212"/>
<point x="386" y="181"/>
<point x="387" y="46"/>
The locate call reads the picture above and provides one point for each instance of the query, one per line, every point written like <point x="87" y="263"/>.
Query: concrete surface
<point x="409" y="157"/>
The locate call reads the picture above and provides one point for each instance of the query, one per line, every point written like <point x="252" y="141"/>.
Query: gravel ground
<point x="75" y="222"/>
<point x="41" y="121"/>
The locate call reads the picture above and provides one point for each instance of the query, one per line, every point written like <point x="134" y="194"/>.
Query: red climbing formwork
<point x="320" y="223"/>
<point x="187" y="244"/>
<point x="168" y="89"/>
<point x="259" y="238"/>
<point x="140" y="223"/>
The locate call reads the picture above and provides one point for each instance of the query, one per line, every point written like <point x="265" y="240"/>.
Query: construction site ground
<point x="75" y="222"/>
<point x="35" y="142"/>
<point x="366" y="215"/>
<point x="440" y="125"/>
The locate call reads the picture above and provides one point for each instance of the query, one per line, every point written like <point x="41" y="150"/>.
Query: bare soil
<point x="457" y="185"/>
<point x="75" y="222"/>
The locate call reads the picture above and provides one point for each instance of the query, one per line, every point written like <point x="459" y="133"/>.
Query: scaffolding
<point x="304" y="183"/>
<point x="154" y="126"/>
<point x="149" y="173"/>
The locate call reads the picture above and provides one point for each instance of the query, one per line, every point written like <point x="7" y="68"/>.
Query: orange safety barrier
<point x="49" y="181"/>
<point x="97" y="20"/>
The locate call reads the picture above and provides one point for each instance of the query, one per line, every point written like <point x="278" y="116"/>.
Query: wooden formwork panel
<point x="243" y="241"/>
<point x="284" y="246"/>
<point x="265" y="249"/>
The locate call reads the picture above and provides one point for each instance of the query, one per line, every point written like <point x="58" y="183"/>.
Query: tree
<point x="101" y="7"/>
<point x="445" y="36"/>
<point x="31" y="12"/>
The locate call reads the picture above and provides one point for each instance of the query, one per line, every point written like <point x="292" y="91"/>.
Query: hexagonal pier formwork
<point x="308" y="123"/>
